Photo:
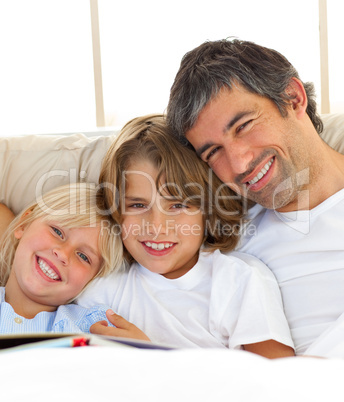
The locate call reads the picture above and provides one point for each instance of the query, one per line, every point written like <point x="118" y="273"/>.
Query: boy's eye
<point x="179" y="206"/>
<point x="137" y="205"/>
<point x="57" y="231"/>
<point x="134" y="205"/>
<point x="83" y="257"/>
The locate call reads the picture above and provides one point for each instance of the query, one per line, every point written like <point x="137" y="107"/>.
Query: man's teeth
<point x="158" y="246"/>
<point x="262" y="172"/>
<point x="50" y="273"/>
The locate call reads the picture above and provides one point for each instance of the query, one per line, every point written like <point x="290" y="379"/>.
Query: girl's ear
<point x="18" y="233"/>
<point x="298" y="97"/>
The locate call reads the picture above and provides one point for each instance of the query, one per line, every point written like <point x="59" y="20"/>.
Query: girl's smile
<point x="52" y="264"/>
<point x="48" y="271"/>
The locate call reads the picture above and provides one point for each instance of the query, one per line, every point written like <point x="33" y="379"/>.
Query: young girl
<point x="48" y="255"/>
<point x="170" y="206"/>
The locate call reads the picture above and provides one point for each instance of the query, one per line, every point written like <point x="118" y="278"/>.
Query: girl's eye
<point x="57" y="231"/>
<point x="83" y="257"/>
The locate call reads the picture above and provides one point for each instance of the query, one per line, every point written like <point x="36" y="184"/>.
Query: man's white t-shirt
<point x="305" y="251"/>
<point x="223" y="301"/>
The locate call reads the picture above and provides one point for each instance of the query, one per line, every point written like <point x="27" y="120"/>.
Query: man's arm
<point x="6" y="217"/>
<point x="270" y="349"/>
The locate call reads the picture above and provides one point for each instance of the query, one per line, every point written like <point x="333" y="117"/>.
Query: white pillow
<point x="333" y="132"/>
<point x="36" y="163"/>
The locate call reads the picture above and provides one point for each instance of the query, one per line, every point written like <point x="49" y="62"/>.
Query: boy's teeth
<point x="262" y="172"/>
<point x="50" y="273"/>
<point x="158" y="246"/>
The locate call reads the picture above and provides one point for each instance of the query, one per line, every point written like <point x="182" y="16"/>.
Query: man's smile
<point x="262" y="173"/>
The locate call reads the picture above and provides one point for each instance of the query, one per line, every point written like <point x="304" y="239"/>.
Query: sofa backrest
<point x="34" y="164"/>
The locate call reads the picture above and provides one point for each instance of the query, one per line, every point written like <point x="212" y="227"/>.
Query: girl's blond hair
<point x="184" y="176"/>
<point x="74" y="205"/>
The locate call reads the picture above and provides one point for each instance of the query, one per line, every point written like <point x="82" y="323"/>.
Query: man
<point x="245" y="111"/>
<point x="6" y="217"/>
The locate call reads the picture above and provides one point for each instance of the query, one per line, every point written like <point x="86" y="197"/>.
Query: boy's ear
<point x="298" y="97"/>
<point x="18" y="233"/>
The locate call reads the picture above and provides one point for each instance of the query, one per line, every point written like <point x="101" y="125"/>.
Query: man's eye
<point x="83" y="257"/>
<point x="243" y="126"/>
<point x="57" y="231"/>
<point x="211" y="153"/>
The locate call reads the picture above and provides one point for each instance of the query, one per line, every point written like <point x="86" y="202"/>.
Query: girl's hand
<point x="124" y="329"/>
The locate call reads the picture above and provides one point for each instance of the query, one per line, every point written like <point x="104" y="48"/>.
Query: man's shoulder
<point x="271" y="235"/>
<point x="255" y="211"/>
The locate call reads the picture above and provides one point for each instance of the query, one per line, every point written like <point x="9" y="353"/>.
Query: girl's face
<point x="52" y="263"/>
<point x="163" y="235"/>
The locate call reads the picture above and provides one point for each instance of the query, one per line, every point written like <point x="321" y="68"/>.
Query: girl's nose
<point x="62" y="254"/>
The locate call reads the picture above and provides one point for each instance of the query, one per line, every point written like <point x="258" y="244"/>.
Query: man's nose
<point x="239" y="155"/>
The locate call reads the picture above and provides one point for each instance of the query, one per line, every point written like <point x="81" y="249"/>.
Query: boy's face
<point x="53" y="263"/>
<point x="163" y="235"/>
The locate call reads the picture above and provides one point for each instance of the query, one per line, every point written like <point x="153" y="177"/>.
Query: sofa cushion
<point x="34" y="164"/>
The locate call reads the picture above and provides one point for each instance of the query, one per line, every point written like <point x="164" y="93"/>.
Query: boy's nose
<point x="157" y="221"/>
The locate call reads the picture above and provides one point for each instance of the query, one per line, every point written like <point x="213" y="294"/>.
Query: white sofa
<point x="31" y="164"/>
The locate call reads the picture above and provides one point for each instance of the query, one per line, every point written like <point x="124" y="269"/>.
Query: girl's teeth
<point x="50" y="273"/>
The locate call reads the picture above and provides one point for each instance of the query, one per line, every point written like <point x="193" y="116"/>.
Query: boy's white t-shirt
<point x="305" y="251"/>
<point x="223" y="301"/>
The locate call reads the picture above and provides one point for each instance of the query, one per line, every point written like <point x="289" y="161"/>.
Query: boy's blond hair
<point x="74" y="205"/>
<point x="182" y="173"/>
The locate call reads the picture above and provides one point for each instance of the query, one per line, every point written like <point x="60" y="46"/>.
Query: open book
<point x="51" y="340"/>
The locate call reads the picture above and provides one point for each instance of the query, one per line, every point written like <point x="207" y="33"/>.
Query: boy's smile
<point x="161" y="233"/>
<point x="158" y="248"/>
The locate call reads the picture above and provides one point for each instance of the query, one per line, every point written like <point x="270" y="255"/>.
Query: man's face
<point x="251" y="147"/>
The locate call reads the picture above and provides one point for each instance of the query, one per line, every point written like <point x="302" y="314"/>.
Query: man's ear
<point x="298" y="97"/>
